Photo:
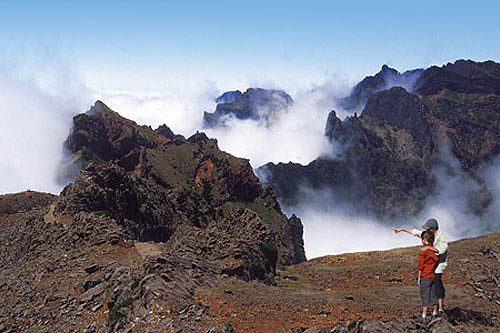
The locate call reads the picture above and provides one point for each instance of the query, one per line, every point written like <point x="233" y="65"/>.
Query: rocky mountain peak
<point x="169" y="134"/>
<point x="153" y="180"/>
<point x="151" y="219"/>
<point x="255" y="103"/>
<point x="386" y="69"/>
<point x="401" y="109"/>
<point x="386" y="78"/>
<point x="462" y="76"/>
<point x="228" y="97"/>
<point x="389" y="152"/>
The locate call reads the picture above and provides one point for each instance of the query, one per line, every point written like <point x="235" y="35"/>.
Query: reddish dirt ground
<point x="344" y="288"/>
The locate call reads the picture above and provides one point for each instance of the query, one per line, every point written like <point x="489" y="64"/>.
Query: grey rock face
<point x="255" y="103"/>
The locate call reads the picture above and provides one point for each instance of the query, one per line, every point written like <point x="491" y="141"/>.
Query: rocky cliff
<point x="255" y="103"/>
<point x="389" y="152"/>
<point x="151" y="217"/>
<point x="385" y="79"/>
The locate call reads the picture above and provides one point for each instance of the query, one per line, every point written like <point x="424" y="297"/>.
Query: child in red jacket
<point x="427" y="262"/>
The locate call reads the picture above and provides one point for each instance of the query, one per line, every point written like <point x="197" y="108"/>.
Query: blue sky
<point x="128" y="45"/>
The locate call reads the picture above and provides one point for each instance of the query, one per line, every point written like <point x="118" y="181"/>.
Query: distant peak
<point x="228" y="97"/>
<point x="98" y="107"/>
<point x="386" y="69"/>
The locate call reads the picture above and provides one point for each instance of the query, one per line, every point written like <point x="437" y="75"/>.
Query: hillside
<point x="388" y="155"/>
<point x="90" y="274"/>
<point x="151" y="217"/>
<point x="366" y="292"/>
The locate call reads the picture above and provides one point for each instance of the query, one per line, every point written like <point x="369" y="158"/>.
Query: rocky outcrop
<point x="154" y="181"/>
<point x="255" y="103"/>
<point x="228" y="97"/>
<point x="151" y="218"/>
<point x="384" y="166"/>
<point x="140" y="206"/>
<point x="403" y="110"/>
<point x="386" y="156"/>
<point x="24" y="202"/>
<point x="464" y="102"/>
<point x="169" y="134"/>
<point x="462" y="76"/>
<point x="385" y="79"/>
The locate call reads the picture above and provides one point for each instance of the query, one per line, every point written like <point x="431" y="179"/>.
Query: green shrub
<point x="135" y="284"/>
<point x="351" y="325"/>
<point x="270" y="257"/>
<point x="115" y="314"/>
<point x="207" y="190"/>
<point x="103" y="213"/>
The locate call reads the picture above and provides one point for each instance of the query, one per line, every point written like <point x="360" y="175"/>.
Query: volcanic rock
<point x="256" y="103"/>
<point x="386" y="78"/>
<point x="228" y="97"/>
<point x="386" y="158"/>
<point x="150" y="218"/>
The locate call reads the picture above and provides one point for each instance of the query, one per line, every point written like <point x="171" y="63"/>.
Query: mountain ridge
<point x="389" y="152"/>
<point x="150" y="218"/>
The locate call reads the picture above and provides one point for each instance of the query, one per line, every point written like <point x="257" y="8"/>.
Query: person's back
<point x="427" y="262"/>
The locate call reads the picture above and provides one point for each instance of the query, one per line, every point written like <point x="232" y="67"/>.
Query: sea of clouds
<point x="36" y="115"/>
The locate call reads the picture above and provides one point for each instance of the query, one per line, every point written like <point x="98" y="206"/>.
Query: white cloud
<point x="35" y="123"/>
<point x="296" y="135"/>
<point x="179" y="108"/>
<point x="332" y="226"/>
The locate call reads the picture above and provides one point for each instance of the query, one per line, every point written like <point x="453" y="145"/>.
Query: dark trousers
<point x="428" y="291"/>
<point x="439" y="285"/>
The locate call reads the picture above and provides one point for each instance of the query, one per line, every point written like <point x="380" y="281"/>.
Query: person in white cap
<point x="440" y="247"/>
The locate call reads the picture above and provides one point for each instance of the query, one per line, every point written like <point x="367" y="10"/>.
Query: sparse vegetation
<point x="351" y="325"/>
<point x="115" y="314"/>
<point x="207" y="191"/>
<point x="135" y="284"/>
<point x="270" y="257"/>
<point x="103" y="213"/>
<point x="452" y="95"/>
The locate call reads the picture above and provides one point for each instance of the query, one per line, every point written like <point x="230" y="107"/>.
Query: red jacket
<point x="427" y="263"/>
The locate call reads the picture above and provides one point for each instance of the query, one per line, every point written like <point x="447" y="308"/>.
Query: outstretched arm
<point x="398" y="230"/>
<point x="414" y="232"/>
